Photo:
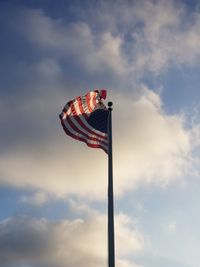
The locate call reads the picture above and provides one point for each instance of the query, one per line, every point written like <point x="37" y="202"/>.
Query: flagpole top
<point x="110" y="105"/>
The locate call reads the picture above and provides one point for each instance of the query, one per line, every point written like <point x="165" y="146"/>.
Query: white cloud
<point x="149" y="147"/>
<point x="133" y="239"/>
<point x="151" y="36"/>
<point x="96" y="53"/>
<point x="172" y="226"/>
<point x="48" y="68"/>
<point x="78" y="242"/>
<point x="37" y="199"/>
<point x="154" y="147"/>
<point x="125" y="263"/>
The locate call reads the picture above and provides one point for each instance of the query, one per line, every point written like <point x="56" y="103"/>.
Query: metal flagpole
<point x="111" y="240"/>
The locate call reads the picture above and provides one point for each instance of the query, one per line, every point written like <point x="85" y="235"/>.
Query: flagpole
<point x="111" y="240"/>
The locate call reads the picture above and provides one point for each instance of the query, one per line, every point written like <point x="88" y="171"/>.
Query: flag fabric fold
<point x="85" y="119"/>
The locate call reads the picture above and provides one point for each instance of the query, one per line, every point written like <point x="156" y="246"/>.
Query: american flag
<point x="85" y="118"/>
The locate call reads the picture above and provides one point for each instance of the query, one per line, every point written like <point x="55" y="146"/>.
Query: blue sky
<point x="53" y="189"/>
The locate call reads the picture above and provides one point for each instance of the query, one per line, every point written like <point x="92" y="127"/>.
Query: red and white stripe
<point x="74" y="119"/>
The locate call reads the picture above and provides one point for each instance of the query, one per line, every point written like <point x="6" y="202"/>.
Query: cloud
<point x="133" y="239"/>
<point x="154" y="147"/>
<point x="172" y="227"/>
<point x="75" y="41"/>
<point x="150" y="37"/>
<point x="41" y="243"/>
<point x="37" y="199"/>
<point x="149" y="147"/>
<point x="53" y="56"/>
<point x="163" y="36"/>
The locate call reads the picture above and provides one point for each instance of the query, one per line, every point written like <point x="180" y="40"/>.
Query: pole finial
<point x="110" y="105"/>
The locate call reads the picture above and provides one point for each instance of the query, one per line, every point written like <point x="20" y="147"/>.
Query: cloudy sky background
<point x="53" y="189"/>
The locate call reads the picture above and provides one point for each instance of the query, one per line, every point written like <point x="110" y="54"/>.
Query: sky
<point x="53" y="189"/>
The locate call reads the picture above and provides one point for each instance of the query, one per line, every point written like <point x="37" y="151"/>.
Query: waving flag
<point x="85" y="118"/>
